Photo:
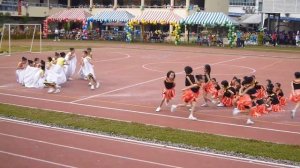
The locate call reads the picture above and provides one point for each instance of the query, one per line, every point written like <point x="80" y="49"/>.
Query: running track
<point x="131" y="81"/>
<point x="40" y="146"/>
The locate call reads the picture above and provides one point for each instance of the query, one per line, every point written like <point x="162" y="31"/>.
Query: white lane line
<point x="115" y="59"/>
<point x="147" y="144"/>
<point x="149" y="81"/>
<point x="154" y="114"/>
<point x="36" y="159"/>
<point x="88" y="151"/>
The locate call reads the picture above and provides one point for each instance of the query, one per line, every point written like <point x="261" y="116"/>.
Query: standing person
<point x="71" y="60"/>
<point x="169" y="91"/>
<point x="274" y="39"/>
<point x="208" y="86"/>
<point x="245" y="99"/>
<point x="190" y="95"/>
<point x="295" y="95"/>
<point x="56" y="34"/>
<point x="297" y="38"/>
<point x="88" y="70"/>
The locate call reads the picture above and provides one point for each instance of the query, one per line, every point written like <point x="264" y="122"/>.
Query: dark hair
<point x="270" y="91"/>
<point x="297" y="74"/>
<point x="238" y="81"/>
<point x="253" y="76"/>
<point x="43" y="62"/>
<point x="199" y="77"/>
<point x="278" y="84"/>
<point x="234" y="78"/>
<point x="89" y="49"/>
<point x="62" y="54"/>
<point x="43" y="67"/>
<point x="188" y="70"/>
<point x="49" y="59"/>
<point x="247" y="80"/>
<point x="225" y="83"/>
<point x="269" y="81"/>
<point x="85" y="52"/>
<point x="36" y="59"/>
<point x="24" y="59"/>
<point x="169" y="73"/>
<point x="214" y="79"/>
<point x="72" y="49"/>
<point x="30" y="62"/>
<point x="207" y="68"/>
<point x="57" y="54"/>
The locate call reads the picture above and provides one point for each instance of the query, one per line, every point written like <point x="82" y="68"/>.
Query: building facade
<point x="44" y="8"/>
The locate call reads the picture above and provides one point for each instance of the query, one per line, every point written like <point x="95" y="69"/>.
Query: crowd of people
<point x="247" y="96"/>
<point x="56" y="71"/>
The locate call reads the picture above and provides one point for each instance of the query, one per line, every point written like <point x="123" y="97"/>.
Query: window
<point x="242" y="2"/>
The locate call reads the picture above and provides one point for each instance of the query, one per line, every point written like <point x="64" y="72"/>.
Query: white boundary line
<point x="36" y="159"/>
<point x="115" y="59"/>
<point x="88" y="151"/>
<point x="147" y="144"/>
<point x="153" y="114"/>
<point x="141" y="83"/>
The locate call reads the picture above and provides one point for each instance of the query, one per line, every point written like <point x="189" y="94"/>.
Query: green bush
<point x="260" y="38"/>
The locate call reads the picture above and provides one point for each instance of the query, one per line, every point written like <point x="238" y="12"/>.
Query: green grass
<point x="145" y="132"/>
<point x="49" y="45"/>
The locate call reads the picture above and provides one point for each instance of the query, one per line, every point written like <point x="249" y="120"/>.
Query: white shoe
<point x="97" y="85"/>
<point x="57" y="86"/>
<point x="90" y="84"/>
<point x="92" y="87"/>
<point x="70" y="79"/>
<point x="214" y="101"/>
<point x="189" y="105"/>
<point x="57" y="91"/>
<point x="220" y="105"/>
<point x="158" y="109"/>
<point x="191" y="117"/>
<point x="236" y="111"/>
<point x="249" y="122"/>
<point x="204" y="105"/>
<point x="293" y="113"/>
<point x="173" y="108"/>
<point x="51" y="90"/>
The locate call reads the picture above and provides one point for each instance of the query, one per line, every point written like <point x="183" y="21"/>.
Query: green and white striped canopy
<point x="111" y="16"/>
<point x="208" y="19"/>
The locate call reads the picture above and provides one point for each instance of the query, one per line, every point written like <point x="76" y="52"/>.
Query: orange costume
<point x="169" y="91"/>
<point x="295" y="96"/>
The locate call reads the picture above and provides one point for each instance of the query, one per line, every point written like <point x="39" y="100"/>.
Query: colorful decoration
<point x="176" y="33"/>
<point x="129" y="31"/>
<point x="231" y="35"/>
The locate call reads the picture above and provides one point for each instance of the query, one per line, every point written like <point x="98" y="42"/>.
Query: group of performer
<point x="56" y="70"/>
<point x="246" y="96"/>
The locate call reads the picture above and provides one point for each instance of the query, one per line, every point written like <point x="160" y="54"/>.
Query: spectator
<point x="297" y="38"/>
<point x="56" y="34"/>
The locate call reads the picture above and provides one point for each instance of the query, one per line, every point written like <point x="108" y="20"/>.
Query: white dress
<point x="87" y="68"/>
<point x="29" y="76"/>
<point x="71" y="67"/>
<point x="56" y="74"/>
<point x="39" y="79"/>
<point x="20" y="75"/>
